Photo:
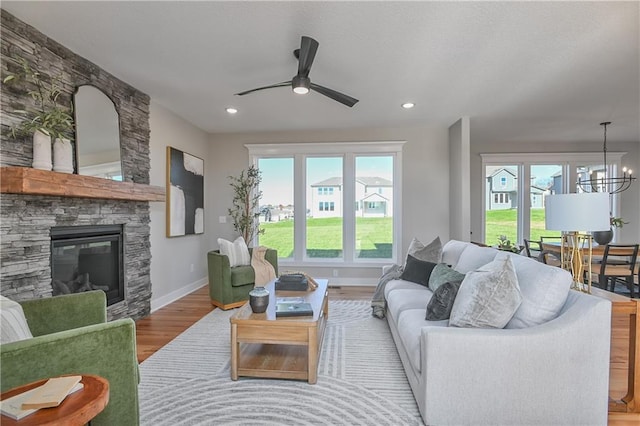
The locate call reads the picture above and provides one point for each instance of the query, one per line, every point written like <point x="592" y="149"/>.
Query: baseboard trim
<point x="163" y="301"/>
<point x="352" y="282"/>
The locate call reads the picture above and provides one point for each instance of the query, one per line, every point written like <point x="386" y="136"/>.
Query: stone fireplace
<point x="36" y="204"/>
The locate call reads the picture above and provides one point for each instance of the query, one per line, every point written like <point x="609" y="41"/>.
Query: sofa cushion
<point x="451" y="252"/>
<point x="236" y="251"/>
<point x="473" y="257"/>
<point x="442" y="274"/>
<point x="432" y="252"/>
<point x="242" y="275"/>
<point x="401" y="299"/>
<point x="13" y="324"/>
<point x="441" y="303"/>
<point x="488" y="297"/>
<point x="410" y="324"/>
<point x="544" y="291"/>
<point x="417" y="271"/>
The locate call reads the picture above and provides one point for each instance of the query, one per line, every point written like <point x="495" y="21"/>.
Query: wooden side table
<point x="76" y="409"/>
<point x="621" y="305"/>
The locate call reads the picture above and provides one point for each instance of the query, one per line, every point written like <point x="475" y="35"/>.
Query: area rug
<point x="360" y="379"/>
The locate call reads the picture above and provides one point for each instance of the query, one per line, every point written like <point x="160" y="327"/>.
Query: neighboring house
<point x="374" y="197"/>
<point x="502" y="190"/>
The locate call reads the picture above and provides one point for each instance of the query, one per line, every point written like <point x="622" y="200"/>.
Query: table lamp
<point x="575" y="215"/>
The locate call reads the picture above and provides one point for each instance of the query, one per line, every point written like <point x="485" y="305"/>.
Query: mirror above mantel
<point x="97" y="134"/>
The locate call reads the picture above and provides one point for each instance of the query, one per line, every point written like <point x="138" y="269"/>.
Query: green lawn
<point x="324" y="237"/>
<point x="374" y="235"/>
<point x="503" y="222"/>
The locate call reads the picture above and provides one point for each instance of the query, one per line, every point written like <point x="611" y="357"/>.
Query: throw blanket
<point x="263" y="269"/>
<point x="378" y="303"/>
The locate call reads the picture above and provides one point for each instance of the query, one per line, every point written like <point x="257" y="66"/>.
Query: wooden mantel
<point x="28" y="181"/>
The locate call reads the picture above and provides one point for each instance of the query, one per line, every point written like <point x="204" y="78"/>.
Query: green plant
<point x="617" y="222"/>
<point x="48" y="116"/>
<point x="246" y="200"/>
<point x="505" y="244"/>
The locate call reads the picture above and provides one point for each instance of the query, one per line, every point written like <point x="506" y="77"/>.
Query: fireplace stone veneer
<point x="26" y="220"/>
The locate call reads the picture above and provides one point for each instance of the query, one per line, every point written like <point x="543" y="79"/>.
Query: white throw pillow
<point x="237" y="251"/>
<point x="544" y="291"/>
<point x="13" y="324"/>
<point x="488" y="297"/>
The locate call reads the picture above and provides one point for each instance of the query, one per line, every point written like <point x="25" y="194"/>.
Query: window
<point x="503" y="181"/>
<point x="521" y="216"/>
<point x="277" y="204"/>
<point x="340" y="222"/>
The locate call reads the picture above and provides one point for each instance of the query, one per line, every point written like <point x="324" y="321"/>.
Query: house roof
<point x="494" y="170"/>
<point x="365" y="180"/>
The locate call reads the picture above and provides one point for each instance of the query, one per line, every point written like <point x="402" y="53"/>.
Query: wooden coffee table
<point x="76" y="409"/>
<point x="283" y="348"/>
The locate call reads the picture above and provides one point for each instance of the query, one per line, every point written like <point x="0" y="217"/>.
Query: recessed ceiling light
<point x="231" y="110"/>
<point x="408" y="105"/>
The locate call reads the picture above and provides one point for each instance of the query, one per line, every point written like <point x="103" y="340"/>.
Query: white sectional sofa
<point x="548" y="366"/>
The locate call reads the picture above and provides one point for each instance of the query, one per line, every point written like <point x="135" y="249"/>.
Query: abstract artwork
<point x="185" y="193"/>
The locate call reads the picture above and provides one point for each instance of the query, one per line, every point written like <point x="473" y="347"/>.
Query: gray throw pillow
<point x="443" y="273"/>
<point x="488" y="297"/>
<point x="417" y="271"/>
<point x="432" y="252"/>
<point x="440" y="304"/>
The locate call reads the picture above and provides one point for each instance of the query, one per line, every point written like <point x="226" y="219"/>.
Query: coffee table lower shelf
<point x="274" y="361"/>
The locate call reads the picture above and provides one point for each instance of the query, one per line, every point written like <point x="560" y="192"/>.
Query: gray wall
<point x="425" y="212"/>
<point x="459" y="197"/>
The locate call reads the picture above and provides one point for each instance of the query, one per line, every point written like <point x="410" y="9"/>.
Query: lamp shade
<point x="587" y="211"/>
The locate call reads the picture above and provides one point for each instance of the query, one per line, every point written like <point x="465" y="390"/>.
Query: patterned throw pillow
<point x="417" y="271"/>
<point x="236" y="251"/>
<point x="488" y="297"/>
<point x="440" y="304"/>
<point x="13" y="324"/>
<point x="443" y="273"/>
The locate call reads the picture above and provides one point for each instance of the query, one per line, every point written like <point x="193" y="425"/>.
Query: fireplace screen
<point x="87" y="258"/>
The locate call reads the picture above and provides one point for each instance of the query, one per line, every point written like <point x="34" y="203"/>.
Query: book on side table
<point x="50" y="394"/>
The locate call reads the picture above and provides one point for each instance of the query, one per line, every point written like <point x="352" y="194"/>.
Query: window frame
<point x="349" y="151"/>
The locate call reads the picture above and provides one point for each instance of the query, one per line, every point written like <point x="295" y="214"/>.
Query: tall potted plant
<point x="47" y="121"/>
<point x="245" y="212"/>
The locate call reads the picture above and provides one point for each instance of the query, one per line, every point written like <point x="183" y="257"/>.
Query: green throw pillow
<point x="443" y="273"/>
<point x="417" y="271"/>
<point x="440" y="304"/>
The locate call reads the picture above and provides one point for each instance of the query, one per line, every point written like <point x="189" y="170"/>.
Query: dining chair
<point x="618" y="263"/>
<point x="550" y="257"/>
<point x="533" y="249"/>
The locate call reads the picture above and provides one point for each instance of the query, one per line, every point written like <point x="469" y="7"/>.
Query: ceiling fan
<point x="301" y="83"/>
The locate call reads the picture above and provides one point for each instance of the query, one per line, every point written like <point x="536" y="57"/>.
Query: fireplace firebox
<point x="87" y="258"/>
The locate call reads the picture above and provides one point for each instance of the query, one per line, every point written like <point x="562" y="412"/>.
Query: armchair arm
<point x="219" y="276"/>
<point x="52" y="314"/>
<point x="107" y="350"/>
<point x="508" y="375"/>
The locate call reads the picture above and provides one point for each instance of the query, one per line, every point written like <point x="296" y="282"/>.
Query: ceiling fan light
<point x="231" y="110"/>
<point x="300" y="85"/>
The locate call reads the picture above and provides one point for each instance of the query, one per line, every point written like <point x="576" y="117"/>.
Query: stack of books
<point x="292" y="282"/>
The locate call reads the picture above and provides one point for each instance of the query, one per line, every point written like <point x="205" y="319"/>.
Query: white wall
<point x="178" y="264"/>
<point x="425" y="213"/>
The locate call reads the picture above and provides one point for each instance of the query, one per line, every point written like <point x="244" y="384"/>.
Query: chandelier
<point x="606" y="183"/>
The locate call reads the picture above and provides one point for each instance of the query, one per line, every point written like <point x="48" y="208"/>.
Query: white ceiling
<point x="524" y="72"/>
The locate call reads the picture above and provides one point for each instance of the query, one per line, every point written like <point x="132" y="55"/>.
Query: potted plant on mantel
<point x="246" y="200"/>
<point x="48" y="122"/>
<point x="605" y="237"/>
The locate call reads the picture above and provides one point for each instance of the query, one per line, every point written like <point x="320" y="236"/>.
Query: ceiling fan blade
<point x="284" y="83"/>
<point x="336" y="96"/>
<point x="307" y="54"/>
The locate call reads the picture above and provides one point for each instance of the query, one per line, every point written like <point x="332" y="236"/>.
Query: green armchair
<point x="72" y="336"/>
<point x="229" y="287"/>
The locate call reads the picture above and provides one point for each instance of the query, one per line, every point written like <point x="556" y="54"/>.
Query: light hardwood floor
<point x="159" y="328"/>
